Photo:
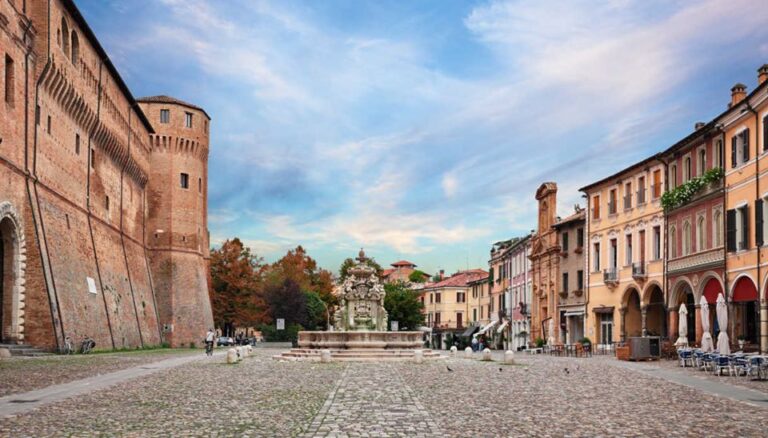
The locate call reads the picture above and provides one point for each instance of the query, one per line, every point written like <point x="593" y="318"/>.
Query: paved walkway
<point x="688" y="378"/>
<point x="20" y="403"/>
<point x="372" y="400"/>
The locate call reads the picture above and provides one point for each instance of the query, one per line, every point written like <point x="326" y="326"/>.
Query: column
<point x="643" y="318"/>
<point x="673" y="320"/>
<point x="623" y="313"/>
<point x="764" y="327"/>
<point x="699" y="328"/>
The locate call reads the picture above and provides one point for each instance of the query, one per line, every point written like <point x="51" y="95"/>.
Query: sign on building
<point x="280" y="324"/>
<point x="91" y="285"/>
<point x="394" y="326"/>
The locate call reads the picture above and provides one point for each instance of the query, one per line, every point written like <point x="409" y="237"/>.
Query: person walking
<point x="209" y="338"/>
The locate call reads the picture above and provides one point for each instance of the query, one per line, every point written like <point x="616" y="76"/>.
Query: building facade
<point x="571" y="300"/>
<point x="624" y="253"/>
<point x="75" y="206"/>
<point x="545" y="267"/>
<point x="400" y="271"/>
<point x="521" y="280"/>
<point x="447" y="305"/>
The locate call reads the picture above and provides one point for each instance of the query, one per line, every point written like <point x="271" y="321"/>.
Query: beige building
<point x="447" y="305"/>
<point x="571" y="287"/>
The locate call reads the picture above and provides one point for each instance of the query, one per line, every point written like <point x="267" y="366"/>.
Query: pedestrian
<point x="474" y="343"/>
<point x="209" y="337"/>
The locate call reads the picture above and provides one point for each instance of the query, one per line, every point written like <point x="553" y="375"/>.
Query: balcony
<point x="611" y="276"/>
<point x="641" y="196"/>
<point x="639" y="270"/>
<point x="563" y="294"/>
<point x="627" y="202"/>
<point x="693" y="190"/>
<point x="709" y="259"/>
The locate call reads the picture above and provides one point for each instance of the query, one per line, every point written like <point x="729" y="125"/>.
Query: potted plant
<point x="539" y="343"/>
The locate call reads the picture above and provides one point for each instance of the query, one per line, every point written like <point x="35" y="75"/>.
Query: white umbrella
<point x="723" y="345"/>
<point x="682" y="326"/>
<point x="550" y="335"/>
<point x="706" y="338"/>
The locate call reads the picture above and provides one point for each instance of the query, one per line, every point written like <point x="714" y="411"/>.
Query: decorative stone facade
<point x="76" y="164"/>
<point x="545" y="267"/>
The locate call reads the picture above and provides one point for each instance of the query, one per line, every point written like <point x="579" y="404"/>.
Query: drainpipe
<point x="760" y="294"/>
<point x="665" y="239"/>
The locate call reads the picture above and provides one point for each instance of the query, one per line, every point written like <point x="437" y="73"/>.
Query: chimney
<point x="442" y="274"/>
<point x="738" y="93"/>
<point x="762" y="74"/>
<point x="698" y="125"/>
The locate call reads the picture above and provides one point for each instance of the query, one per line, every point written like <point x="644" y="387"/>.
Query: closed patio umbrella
<point x="706" y="338"/>
<point x="723" y="346"/>
<point x="682" y="326"/>
<point x="551" y="334"/>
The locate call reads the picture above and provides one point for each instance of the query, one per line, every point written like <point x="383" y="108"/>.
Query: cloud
<point x="450" y="184"/>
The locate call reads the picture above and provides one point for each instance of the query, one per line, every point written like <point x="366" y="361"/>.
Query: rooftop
<point x="461" y="278"/>
<point x="171" y="100"/>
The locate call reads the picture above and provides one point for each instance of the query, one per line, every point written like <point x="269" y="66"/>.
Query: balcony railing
<point x="655" y="191"/>
<point x="641" y="196"/>
<point x="611" y="207"/>
<point x="627" y="202"/>
<point x="610" y="275"/>
<point x="638" y="270"/>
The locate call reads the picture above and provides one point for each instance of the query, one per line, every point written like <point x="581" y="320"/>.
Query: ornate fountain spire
<point x="361" y="256"/>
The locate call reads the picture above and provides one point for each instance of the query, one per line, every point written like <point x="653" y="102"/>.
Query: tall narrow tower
<point x="176" y="226"/>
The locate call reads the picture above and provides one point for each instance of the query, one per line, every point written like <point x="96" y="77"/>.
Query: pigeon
<point x="449" y="368"/>
<point x="500" y="369"/>
<point x="567" y="372"/>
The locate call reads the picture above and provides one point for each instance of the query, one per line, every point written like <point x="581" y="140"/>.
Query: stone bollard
<point x="468" y="353"/>
<point x="453" y="351"/>
<point x="509" y="357"/>
<point x="5" y="353"/>
<point x="239" y="354"/>
<point x="231" y="355"/>
<point x="418" y="356"/>
<point x="487" y="354"/>
<point x="325" y="356"/>
<point x="250" y="349"/>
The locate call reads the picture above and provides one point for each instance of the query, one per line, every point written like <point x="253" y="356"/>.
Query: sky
<point x="420" y="130"/>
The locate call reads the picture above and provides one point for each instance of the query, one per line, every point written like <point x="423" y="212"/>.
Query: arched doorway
<point x="8" y="274"/>
<point x="712" y="289"/>
<point x="655" y="315"/>
<point x="685" y="296"/>
<point x="746" y="310"/>
<point x="633" y="324"/>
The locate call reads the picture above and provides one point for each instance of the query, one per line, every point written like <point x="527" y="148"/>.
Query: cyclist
<point x="68" y="348"/>
<point x="87" y="344"/>
<point x="209" y="338"/>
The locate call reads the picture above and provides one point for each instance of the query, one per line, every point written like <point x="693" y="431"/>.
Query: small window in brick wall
<point x="49" y="124"/>
<point x="184" y="181"/>
<point x="200" y="185"/>
<point x="93" y="157"/>
<point x="77" y="144"/>
<point x="106" y="203"/>
<point x="9" y="80"/>
<point x="188" y="120"/>
<point x="165" y="116"/>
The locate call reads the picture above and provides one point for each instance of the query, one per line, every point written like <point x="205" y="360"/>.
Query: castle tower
<point x="176" y="227"/>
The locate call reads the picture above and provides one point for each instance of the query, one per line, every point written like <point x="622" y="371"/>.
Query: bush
<point x="272" y="334"/>
<point x="539" y="343"/>
<point x="192" y="345"/>
<point x="585" y="340"/>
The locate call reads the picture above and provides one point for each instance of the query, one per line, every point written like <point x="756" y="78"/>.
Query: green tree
<point x="348" y="263"/>
<point x="418" y="276"/>
<point x="403" y="305"/>
<point x="316" y="316"/>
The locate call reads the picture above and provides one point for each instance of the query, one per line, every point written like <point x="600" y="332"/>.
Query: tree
<point x="286" y="300"/>
<point x="299" y="267"/>
<point x="236" y="276"/>
<point x="316" y="314"/>
<point x="403" y="305"/>
<point x="418" y="276"/>
<point x="349" y="263"/>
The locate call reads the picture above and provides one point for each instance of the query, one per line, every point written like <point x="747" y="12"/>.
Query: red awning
<point x="744" y="290"/>
<point x="711" y="290"/>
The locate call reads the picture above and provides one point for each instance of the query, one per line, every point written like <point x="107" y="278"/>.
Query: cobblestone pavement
<point x="21" y="374"/>
<point x="540" y="396"/>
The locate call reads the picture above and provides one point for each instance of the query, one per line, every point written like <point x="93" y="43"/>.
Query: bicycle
<point x="209" y="348"/>
<point x="68" y="347"/>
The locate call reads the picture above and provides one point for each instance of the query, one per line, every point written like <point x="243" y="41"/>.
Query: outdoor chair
<point x="686" y="358"/>
<point x="755" y="366"/>
<point x="698" y="358"/>
<point x="740" y="365"/>
<point x="723" y="363"/>
<point x="707" y="362"/>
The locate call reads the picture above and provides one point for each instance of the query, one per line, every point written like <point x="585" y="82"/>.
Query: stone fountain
<point x="361" y="325"/>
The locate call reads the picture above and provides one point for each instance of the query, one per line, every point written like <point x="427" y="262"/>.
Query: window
<point x="596" y="207"/>
<point x="77" y="144"/>
<point x="701" y="234"/>
<point x="106" y="203"/>
<point x="474" y="314"/>
<point x="565" y="241"/>
<point x="165" y="116"/>
<point x="461" y="297"/>
<point x="65" y="36"/>
<point x="641" y="190"/>
<point x="765" y="132"/>
<point x="565" y="282"/>
<point x="184" y="181"/>
<point x="580" y="238"/>
<point x="612" y="201"/>
<point x="9" y="80"/>
<point x="430" y="298"/>
<point x="719" y="154"/>
<point x="596" y="258"/>
<point x="628" y="252"/>
<point x="579" y="280"/>
<point x="37" y="115"/>
<point x="49" y="125"/>
<point x="641" y="241"/>
<point x="687" y="175"/>
<point x="672" y="242"/>
<point x="200" y="185"/>
<point x="760" y="213"/>
<point x="437" y="318"/>
<point x="737" y="224"/>
<point x="75" y="48"/>
<point x="740" y="148"/>
<point x="606" y="328"/>
<point x="656" y="188"/>
<point x="93" y="157"/>
<point x="627" y="196"/>
<point x="717" y="228"/>
<point x="614" y="255"/>
<point x="437" y="297"/>
<point x="188" y="120"/>
<point x="686" y="238"/>
<point x="673" y="176"/>
<point x="657" y="242"/>
<point x="701" y="162"/>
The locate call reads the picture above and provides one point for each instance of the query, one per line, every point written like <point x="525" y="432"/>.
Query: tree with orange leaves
<point x="237" y="281"/>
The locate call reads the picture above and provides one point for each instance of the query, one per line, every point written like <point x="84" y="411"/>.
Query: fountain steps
<point x="356" y="355"/>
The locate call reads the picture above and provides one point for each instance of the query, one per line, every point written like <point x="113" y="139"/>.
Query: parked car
<point x="225" y="341"/>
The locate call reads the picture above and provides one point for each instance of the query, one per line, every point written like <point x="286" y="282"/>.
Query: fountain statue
<point x="361" y="326"/>
<point x="361" y="298"/>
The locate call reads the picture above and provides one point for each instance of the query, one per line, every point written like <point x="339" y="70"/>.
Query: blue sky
<point x="421" y="129"/>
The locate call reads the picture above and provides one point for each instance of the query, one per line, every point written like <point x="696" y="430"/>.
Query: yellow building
<point x="478" y="302"/>
<point x="624" y="253"/>
<point x="447" y="305"/>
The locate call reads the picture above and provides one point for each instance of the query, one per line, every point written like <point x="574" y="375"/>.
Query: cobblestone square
<point x="455" y="397"/>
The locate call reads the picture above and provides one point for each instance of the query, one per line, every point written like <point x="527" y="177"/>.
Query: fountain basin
<point x="341" y="340"/>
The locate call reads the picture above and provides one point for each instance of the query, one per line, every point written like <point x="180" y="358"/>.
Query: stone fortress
<point x="103" y="197"/>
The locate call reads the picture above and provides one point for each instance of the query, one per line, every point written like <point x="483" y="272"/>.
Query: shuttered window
<point x="765" y="132"/>
<point x="730" y="230"/>
<point x="733" y="152"/>
<point x="745" y="144"/>
<point x="759" y="222"/>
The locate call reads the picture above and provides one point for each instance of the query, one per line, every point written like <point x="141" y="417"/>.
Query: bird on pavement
<point x="567" y="372"/>
<point x="449" y="368"/>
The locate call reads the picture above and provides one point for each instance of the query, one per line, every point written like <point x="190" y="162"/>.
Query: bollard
<point x="509" y="357"/>
<point x="468" y="353"/>
<point x="250" y="349"/>
<point x="453" y="351"/>
<point x="418" y="356"/>
<point x="239" y="353"/>
<point x="231" y="356"/>
<point x="487" y="354"/>
<point x="325" y="356"/>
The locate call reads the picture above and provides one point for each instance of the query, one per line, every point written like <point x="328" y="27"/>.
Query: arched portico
<point x="11" y="275"/>
<point x="682" y="293"/>
<point x="745" y="309"/>
<point x="654" y="311"/>
<point x="632" y="324"/>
